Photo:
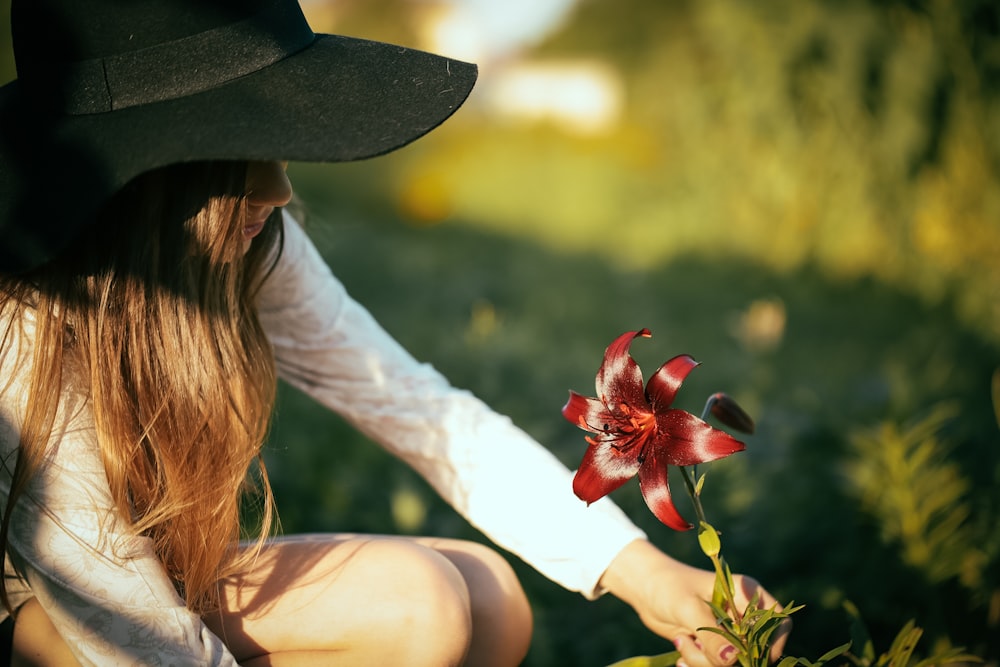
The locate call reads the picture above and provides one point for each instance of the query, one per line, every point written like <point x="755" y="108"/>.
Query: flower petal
<point x="655" y="485"/>
<point x="587" y="413"/>
<point x="619" y="380"/>
<point x="684" y="440"/>
<point x="603" y="470"/>
<point x="662" y="387"/>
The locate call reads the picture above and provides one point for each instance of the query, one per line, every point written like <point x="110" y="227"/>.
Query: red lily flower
<point x="636" y="430"/>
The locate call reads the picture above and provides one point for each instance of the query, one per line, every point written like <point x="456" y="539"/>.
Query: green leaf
<point x="767" y="628"/>
<point x="729" y="575"/>
<point x="729" y="635"/>
<point x="834" y="653"/>
<point x="949" y="657"/>
<point x="791" y="608"/>
<point x="719" y="611"/>
<point x="902" y="648"/>
<point x="662" y="660"/>
<point x="719" y="596"/>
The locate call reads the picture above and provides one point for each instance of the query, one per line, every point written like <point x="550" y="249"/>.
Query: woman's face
<point x="267" y="187"/>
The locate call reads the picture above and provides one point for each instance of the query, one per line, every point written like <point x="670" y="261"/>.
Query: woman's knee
<point x="430" y="605"/>
<point x="501" y="615"/>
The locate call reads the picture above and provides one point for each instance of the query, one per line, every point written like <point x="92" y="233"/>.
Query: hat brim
<point x="340" y="99"/>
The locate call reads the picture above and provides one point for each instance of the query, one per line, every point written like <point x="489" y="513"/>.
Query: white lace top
<point x="106" y="591"/>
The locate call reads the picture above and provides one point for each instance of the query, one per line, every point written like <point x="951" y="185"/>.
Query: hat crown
<point x="47" y="32"/>
<point x="94" y="56"/>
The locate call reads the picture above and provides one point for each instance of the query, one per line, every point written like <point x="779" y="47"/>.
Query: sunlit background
<point x="803" y="195"/>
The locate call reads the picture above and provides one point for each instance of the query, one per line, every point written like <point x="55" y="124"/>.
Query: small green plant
<point x="900" y="653"/>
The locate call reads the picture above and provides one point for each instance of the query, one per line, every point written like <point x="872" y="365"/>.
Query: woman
<point x="151" y="291"/>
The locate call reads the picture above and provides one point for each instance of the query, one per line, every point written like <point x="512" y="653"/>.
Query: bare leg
<point x="369" y="600"/>
<point x="36" y="641"/>
<point x="375" y="600"/>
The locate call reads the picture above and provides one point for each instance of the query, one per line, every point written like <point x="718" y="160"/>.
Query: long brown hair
<point x="151" y="315"/>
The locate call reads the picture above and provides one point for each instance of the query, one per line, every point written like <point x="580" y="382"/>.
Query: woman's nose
<point x="267" y="184"/>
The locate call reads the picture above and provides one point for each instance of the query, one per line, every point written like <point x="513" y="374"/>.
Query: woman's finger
<point x="703" y="651"/>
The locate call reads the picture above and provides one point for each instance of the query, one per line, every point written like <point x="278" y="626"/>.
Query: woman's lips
<point x="257" y="226"/>
<point x="250" y="231"/>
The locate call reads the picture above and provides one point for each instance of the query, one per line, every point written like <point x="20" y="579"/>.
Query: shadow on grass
<point x="519" y="326"/>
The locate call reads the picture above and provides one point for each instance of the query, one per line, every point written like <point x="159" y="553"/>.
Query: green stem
<point x="689" y="474"/>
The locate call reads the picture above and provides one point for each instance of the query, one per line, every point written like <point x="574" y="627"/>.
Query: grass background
<point x="802" y="195"/>
<point x="520" y="325"/>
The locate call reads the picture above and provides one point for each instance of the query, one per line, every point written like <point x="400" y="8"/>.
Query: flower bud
<point x="729" y="412"/>
<point x="709" y="540"/>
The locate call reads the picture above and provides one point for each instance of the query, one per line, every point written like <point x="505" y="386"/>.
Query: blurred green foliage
<point x="904" y="478"/>
<point x="520" y="325"/>
<point x="861" y="138"/>
<point x="802" y="195"/>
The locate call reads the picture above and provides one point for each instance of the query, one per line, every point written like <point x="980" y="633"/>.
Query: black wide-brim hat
<point x="109" y="89"/>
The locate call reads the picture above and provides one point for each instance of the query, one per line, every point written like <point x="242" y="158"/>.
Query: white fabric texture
<point x="107" y="592"/>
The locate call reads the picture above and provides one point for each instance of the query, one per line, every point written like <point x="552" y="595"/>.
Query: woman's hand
<point x="671" y="599"/>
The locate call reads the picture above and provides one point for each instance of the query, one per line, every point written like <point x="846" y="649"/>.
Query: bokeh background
<point x="802" y="194"/>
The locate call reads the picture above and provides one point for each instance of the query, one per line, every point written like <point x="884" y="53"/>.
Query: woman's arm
<point x="493" y="473"/>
